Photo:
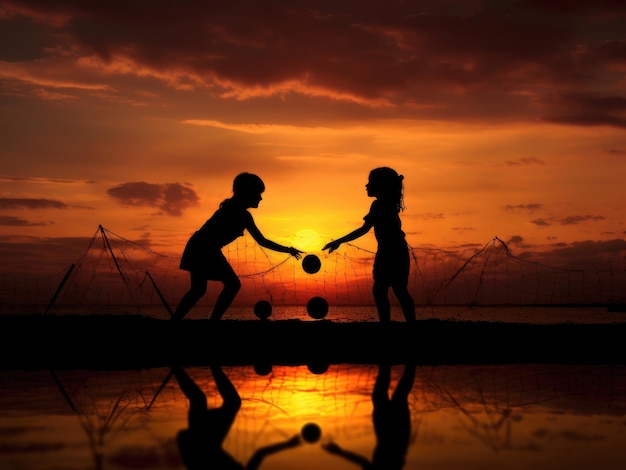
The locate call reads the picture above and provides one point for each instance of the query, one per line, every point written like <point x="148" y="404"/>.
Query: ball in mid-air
<point x="311" y="432"/>
<point x="311" y="264"/>
<point x="263" y="309"/>
<point x="317" y="307"/>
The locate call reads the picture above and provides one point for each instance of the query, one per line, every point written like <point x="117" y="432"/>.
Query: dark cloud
<point x="568" y="220"/>
<point x="525" y="161"/>
<point x="586" y="254"/>
<point x="540" y="222"/>
<point x="19" y="222"/>
<point x="30" y="179"/>
<point x="427" y="216"/>
<point x="588" y="109"/>
<point x="171" y="198"/>
<point x="527" y="207"/>
<point x="497" y="57"/>
<point x="15" y="203"/>
<point x="515" y="240"/>
<point x="577" y="219"/>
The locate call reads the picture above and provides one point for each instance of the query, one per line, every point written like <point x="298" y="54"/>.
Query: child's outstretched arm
<point x="269" y="244"/>
<point x="353" y="457"/>
<point x="260" y="454"/>
<point x="359" y="232"/>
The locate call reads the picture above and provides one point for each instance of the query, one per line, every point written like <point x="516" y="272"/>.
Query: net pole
<point x="60" y="287"/>
<point x="163" y="301"/>
<point x="117" y="265"/>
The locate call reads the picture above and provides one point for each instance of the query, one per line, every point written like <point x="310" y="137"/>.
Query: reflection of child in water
<point x="391" y="264"/>
<point x="392" y="423"/>
<point x="203" y="257"/>
<point x="201" y="443"/>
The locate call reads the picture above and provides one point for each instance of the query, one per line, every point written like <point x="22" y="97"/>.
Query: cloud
<point x="11" y="221"/>
<point x="587" y="109"/>
<point x="171" y="198"/>
<point x="525" y="161"/>
<point x="436" y="59"/>
<point x="427" y="216"/>
<point x="46" y="181"/>
<point x="16" y="203"/>
<point x="515" y="240"/>
<point x="584" y="254"/>
<point x="541" y="222"/>
<point x="568" y="220"/>
<point x="527" y="207"/>
<point x="577" y="219"/>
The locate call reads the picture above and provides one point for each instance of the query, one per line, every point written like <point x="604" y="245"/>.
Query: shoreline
<point x="102" y="341"/>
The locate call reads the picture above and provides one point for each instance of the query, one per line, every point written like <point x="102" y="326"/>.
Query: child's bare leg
<point x="231" y="288"/>
<point x="406" y="303"/>
<point x="381" y="299"/>
<point x="230" y="396"/>
<point x="197" y="398"/>
<point x="193" y="295"/>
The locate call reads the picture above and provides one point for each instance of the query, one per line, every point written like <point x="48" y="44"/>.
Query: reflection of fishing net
<point x="494" y="404"/>
<point x="137" y="413"/>
<point x="116" y="275"/>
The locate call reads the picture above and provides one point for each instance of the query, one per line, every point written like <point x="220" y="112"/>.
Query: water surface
<point x="460" y="417"/>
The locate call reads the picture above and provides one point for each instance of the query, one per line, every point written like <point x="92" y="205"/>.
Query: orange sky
<point x="507" y="119"/>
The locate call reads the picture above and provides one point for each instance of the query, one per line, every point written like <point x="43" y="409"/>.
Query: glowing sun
<point x="307" y="240"/>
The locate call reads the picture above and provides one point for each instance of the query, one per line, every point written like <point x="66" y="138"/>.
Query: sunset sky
<point x="507" y="118"/>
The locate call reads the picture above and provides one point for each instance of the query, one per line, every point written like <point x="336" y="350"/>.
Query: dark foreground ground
<point x="135" y="342"/>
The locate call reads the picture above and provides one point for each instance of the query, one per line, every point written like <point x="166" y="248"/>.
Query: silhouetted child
<point x="392" y="261"/>
<point x="391" y="418"/>
<point x="201" y="444"/>
<point x="203" y="256"/>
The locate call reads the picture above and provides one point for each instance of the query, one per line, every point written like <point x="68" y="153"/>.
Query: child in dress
<point x="203" y="256"/>
<point x="392" y="261"/>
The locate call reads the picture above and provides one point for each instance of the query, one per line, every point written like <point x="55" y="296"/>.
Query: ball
<point x="318" y="367"/>
<point x="317" y="307"/>
<point x="263" y="368"/>
<point x="263" y="309"/>
<point x="311" y="432"/>
<point x="311" y="264"/>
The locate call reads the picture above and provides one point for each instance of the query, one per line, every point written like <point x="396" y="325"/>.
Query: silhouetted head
<point x="386" y="183"/>
<point x="248" y="187"/>
<point x="248" y="183"/>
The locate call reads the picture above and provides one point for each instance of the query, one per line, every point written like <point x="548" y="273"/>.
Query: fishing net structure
<point x="114" y="275"/>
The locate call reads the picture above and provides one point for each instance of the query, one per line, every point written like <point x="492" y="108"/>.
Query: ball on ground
<point x="318" y="367"/>
<point x="311" y="264"/>
<point x="317" y="307"/>
<point x="263" y="368"/>
<point x="311" y="432"/>
<point x="263" y="309"/>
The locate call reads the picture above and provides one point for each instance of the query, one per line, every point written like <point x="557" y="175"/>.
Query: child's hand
<point x="332" y="246"/>
<point x="331" y="447"/>
<point x="295" y="253"/>
<point x="294" y="441"/>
